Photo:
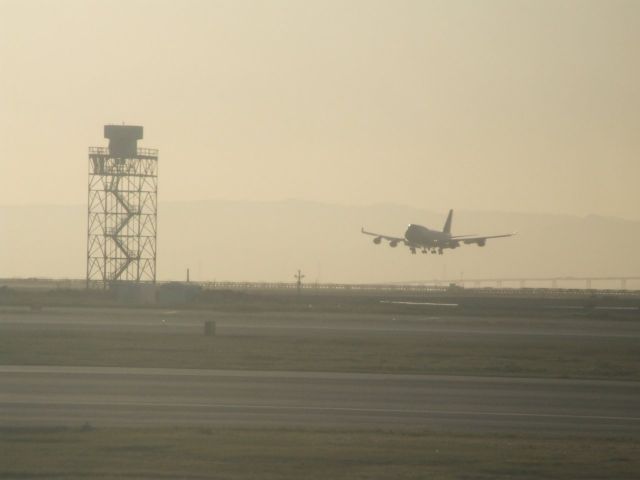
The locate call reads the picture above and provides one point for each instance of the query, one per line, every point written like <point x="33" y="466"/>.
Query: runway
<point x="104" y="396"/>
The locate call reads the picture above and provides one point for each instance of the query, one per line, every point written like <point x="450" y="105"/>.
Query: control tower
<point x="123" y="210"/>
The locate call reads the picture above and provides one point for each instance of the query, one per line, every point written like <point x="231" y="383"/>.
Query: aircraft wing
<point x="479" y="240"/>
<point x="385" y="237"/>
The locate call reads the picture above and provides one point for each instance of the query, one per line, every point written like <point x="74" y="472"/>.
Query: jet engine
<point x="393" y="244"/>
<point x="377" y="240"/>
<point x="481" y="242"/>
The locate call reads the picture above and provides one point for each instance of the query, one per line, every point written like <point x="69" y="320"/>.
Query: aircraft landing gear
<point x="439" y="251"/>
<point x="413" y="251"/>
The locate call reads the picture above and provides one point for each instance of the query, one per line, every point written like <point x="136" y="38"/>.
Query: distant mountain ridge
<point x="269" y="241"/>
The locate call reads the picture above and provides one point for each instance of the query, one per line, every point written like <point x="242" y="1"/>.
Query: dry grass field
<point x="380" y="352"/>
<point x="308" y="453"/>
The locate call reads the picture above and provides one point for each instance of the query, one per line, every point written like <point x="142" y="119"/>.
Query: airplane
<point x="421" y="238"/>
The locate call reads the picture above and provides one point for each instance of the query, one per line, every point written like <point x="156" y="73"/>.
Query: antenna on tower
<point x="299" y="276"/>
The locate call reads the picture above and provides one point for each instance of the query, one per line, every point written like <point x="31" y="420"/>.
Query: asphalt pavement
<point x="105" y="396"/>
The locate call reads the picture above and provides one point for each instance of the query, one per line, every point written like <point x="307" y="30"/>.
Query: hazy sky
<point x="477" y="105"/>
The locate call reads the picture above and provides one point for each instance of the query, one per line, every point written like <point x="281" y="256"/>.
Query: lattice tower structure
<point x="123" y="210"/>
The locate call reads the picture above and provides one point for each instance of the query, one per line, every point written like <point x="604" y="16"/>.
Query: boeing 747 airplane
<point x="421" y="238"/>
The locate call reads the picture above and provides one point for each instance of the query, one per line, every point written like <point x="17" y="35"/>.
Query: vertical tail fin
<point x="447" y="224"/>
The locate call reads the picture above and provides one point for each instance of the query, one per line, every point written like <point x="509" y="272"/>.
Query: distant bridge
<point x="618" y="283"/>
